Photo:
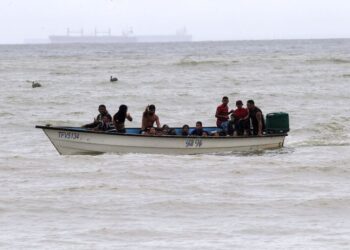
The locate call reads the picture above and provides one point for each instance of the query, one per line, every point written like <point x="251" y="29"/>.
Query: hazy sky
<point x="204" y="19"/>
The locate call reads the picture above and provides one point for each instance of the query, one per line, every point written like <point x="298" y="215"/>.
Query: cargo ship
<point x="126" y="37"/>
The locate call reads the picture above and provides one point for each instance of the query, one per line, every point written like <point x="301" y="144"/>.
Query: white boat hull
<point x="74" y="142"/>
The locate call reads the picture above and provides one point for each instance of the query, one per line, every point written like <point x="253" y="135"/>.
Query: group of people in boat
<point x="235" y="122"/>
<point x="105" y="122"/>
<point x="242" y="121"/>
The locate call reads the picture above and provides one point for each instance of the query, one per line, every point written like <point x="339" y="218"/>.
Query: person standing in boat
<point x="256" y="117"/>
<point x="102" y="113"/>
<point x="222" y="115"/>
<point x="149" y="117"/>
<point x="120" y="117"/>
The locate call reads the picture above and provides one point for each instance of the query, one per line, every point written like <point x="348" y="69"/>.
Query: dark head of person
<point x="102" y="109"/>
<point x="239" y="104"/>
<point x="185" y="130"/>
<point x="250" y="104"/>
<point x="121" y="114"/>
<point x="165" y="129"/>
<point x="198" y="131"/>
<point x="152" y="131"/>
<point x="225" y="100"/>
<point x="199" y="126"/>
<point x="151" y="109"/>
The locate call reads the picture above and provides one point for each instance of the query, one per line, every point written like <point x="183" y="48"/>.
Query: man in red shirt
<point x="222" y="114"/>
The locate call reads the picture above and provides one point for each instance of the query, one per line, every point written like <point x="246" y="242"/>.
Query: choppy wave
<point x="58" y="122"/>
<point x="340" y="60"/>
<point x="325" y="202"/>
<point x="329" y="60"/>
<point x="333" y="133"/>
<point x="320" y="143"/>
<point x="74" y="113"/>
<point x="87" y="188"/>
<point x="67" y="199"/>
<point x="5" y="114"/>
<point x="191" y="62"/>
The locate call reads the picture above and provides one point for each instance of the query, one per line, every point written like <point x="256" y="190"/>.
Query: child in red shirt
<point x="241" y="120"/>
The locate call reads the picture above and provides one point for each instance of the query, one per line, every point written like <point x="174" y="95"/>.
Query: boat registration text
<point x="193" y="142"/>
<point x="68" y="135"/>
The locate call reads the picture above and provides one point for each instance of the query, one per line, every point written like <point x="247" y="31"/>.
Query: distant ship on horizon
<point x="126" y="37"/>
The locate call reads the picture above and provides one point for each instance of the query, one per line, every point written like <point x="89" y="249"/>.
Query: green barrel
<point x="277" y="123"/>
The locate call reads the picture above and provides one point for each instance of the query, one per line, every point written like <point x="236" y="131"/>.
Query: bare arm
<point x="96" y="119"/>
<point x="222" y="116"/>
<point x="247" y="116"/>
<point x="258" y="117"/>
<point x="217" y="114"/>
<point x="143" y="126"/>
<point x="96" y="128"/>
<point x="115" y="124"/>
<point x="128" y="116"/>
<point x="157" y="122"/>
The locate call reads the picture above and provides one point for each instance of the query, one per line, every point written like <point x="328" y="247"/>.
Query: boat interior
<point x="137" y="131"/>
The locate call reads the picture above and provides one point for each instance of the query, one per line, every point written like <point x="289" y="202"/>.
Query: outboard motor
<point x="277" y="123"/>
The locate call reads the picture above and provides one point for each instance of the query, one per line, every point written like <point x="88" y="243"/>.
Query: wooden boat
<point x="76" y="141"/>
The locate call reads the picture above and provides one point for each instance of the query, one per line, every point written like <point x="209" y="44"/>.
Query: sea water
<point x="296" y="197"/>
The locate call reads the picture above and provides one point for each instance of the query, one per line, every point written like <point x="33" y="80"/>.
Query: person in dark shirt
<point x="102" y="112"/>
<point x="166" y="130"/>
<point x="120" y="117"/>
<point x="205" y="133"/>
<point x="198" y="131"/>
<point x="256" y="117"/>
<point x="185" y="130"/>
<point x="222" y="115"/>
<point x="104" y="125"/>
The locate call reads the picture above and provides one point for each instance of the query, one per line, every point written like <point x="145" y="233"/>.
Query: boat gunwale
<point x="74" y="129"/>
